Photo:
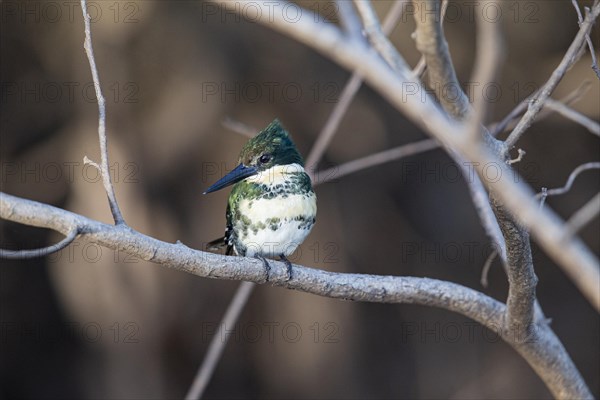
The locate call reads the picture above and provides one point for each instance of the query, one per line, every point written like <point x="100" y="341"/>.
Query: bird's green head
<point x="271" y="147"/>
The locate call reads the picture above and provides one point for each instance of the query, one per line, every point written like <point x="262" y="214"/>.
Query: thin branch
<point x="35" y="253"/>
<point x="486" y="268"/>
<point x="588" y="40"/>
<point x="545" y="354"/>
<point x="507" y="122"/>
<point x="332" y="124"/>
<point x="573" y="115"/>
<point x="239" y="127"/>
<point x="219" y="341"/>
<point x="568" y="60"/>
<point x="378" y="38"/>
<point x="521" y="154"/>
<point x="335" y="118"/>
<point x="564" y="189"/>
<point x="583" y="216"/>
<point x="373" y="160"/>
<point x="106" y="178"/>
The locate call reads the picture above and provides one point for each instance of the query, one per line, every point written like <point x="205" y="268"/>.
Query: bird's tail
<point x="218" y="244"/>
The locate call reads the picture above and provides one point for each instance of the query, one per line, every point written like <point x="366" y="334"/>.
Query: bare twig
<point x="373" y="160"/>
<point x="35" y="253"/>
<point x="501" y="126"/>
<point x="341" y="107"/>
<point x="507" y="122"/>
<point x="521" y="154"/>
<point x="574" y="116"/>
<point x="587" y="38"/>
<point x="546" y="354"/>
<point x="568" y="60"/>
<point x="583" y="216"/>
<point x="219" y="341"/>
<point x="239" y="127"/>
<point x="105" y="172"/>
<point x="333" y="122"/>
<point x="378" y="38"/>
<point x="486" y="268"/>
<point x="564" y="189"/>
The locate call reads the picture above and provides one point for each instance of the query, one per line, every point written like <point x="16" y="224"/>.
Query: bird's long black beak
<point x="240" y="172"/>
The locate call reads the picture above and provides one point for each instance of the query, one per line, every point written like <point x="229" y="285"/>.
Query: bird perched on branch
<point x="272" y="206"/>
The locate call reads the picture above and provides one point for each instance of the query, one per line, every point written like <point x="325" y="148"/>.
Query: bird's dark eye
<point x="265" y="158"/>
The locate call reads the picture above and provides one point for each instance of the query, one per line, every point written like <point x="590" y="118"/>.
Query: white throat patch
<point x="276" y="175"/>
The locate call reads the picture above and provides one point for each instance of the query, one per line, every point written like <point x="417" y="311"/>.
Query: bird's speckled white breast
<point x="289" y="232"/>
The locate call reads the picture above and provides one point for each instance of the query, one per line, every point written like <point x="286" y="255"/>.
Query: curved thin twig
<point x="564" y="189"/>
<point x="486" y="268"/>
<point x="35" y="253"/>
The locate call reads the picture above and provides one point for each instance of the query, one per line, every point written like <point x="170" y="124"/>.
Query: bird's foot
<point x="267" y="266"/>
<point x="288" y="265"/>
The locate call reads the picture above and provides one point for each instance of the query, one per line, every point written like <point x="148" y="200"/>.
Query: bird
<point x="272" y="206"/>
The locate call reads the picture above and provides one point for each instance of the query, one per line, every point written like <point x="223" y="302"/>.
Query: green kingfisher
<point x="272" y="206"/>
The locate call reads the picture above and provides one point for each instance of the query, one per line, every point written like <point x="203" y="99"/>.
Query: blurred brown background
<point x="92" y="323"/>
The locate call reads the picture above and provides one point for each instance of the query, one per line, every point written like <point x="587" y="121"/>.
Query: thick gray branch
<point x="544" y="352"/>
<point x="521" y="276"/>
<point x="357" y="287"/>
